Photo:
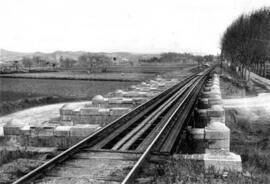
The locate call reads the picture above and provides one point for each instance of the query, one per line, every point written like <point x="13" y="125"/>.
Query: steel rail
<point x="156" y="120"/>
<point x="132" y="173"/>
<point x="157" y="129"/>
<point x="130" y="177"/>
<point x="32" y="175"/>
<point x="127" y="140"/>
<point x="170" y="140"/>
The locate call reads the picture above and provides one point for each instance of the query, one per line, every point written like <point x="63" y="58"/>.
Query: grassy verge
<point x="250" y="133"/>
<point x="12" y="171"/>
<point x="234" y="86"/>
<point x="17" y="162"/>
<point x="13" y="106"/>
<point x="250" y="129"/>
<point x="19" y="94"/>
<point x="179" y="170"/>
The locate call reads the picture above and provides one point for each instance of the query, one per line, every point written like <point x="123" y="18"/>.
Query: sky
<point x="141" y="26"/>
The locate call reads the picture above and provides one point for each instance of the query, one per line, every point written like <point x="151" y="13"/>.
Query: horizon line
<point x="130" y="52"/>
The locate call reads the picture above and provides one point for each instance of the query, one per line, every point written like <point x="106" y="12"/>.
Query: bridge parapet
<point x="211" y="136"/>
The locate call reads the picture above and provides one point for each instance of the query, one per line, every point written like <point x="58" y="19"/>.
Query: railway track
<point x="115" y="153"/>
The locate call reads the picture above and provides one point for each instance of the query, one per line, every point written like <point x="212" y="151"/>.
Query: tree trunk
<point x="264" y="69"/>
<point x="242" y="71"/>
<point x="249" y="75"/>
<point x="260" y="69"/>
<point x="245" y="73"/>
<point x="258" y="72"/>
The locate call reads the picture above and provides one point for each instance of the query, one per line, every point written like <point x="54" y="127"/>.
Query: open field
<point x="73" y="75"/>
<point x="113" y="73"/>
<point x="20" y="93"/>
<point x="17" y="88"/>
<point x="23" y="90"/>
<point x="142" y="68"/>
<point x="151" y="68"/>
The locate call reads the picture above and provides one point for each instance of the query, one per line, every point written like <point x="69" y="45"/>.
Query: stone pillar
<point x="217" y="134"/>
<point x="216" y="113"/>
<point x="200" y="118"/>
<point x="212" y="136"/>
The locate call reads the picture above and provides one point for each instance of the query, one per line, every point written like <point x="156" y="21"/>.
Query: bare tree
<point x="246" y="41"/>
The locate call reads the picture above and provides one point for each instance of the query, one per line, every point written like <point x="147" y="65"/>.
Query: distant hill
<point x="55" y="56"/>
<point x="7" y="56"/>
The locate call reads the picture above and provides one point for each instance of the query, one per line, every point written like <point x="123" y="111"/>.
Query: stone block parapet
<point x="83" y="130"/>
<point x="61" y="137"/>
<point x="106" y="109"/>
<point x="12" y="129"/>
<point x="48" y="130"/>
<point x="93" y="115"/>
<point x="62" y="131"/>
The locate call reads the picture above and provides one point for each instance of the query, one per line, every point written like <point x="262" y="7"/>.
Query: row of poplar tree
<point x="246" y="42"/>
